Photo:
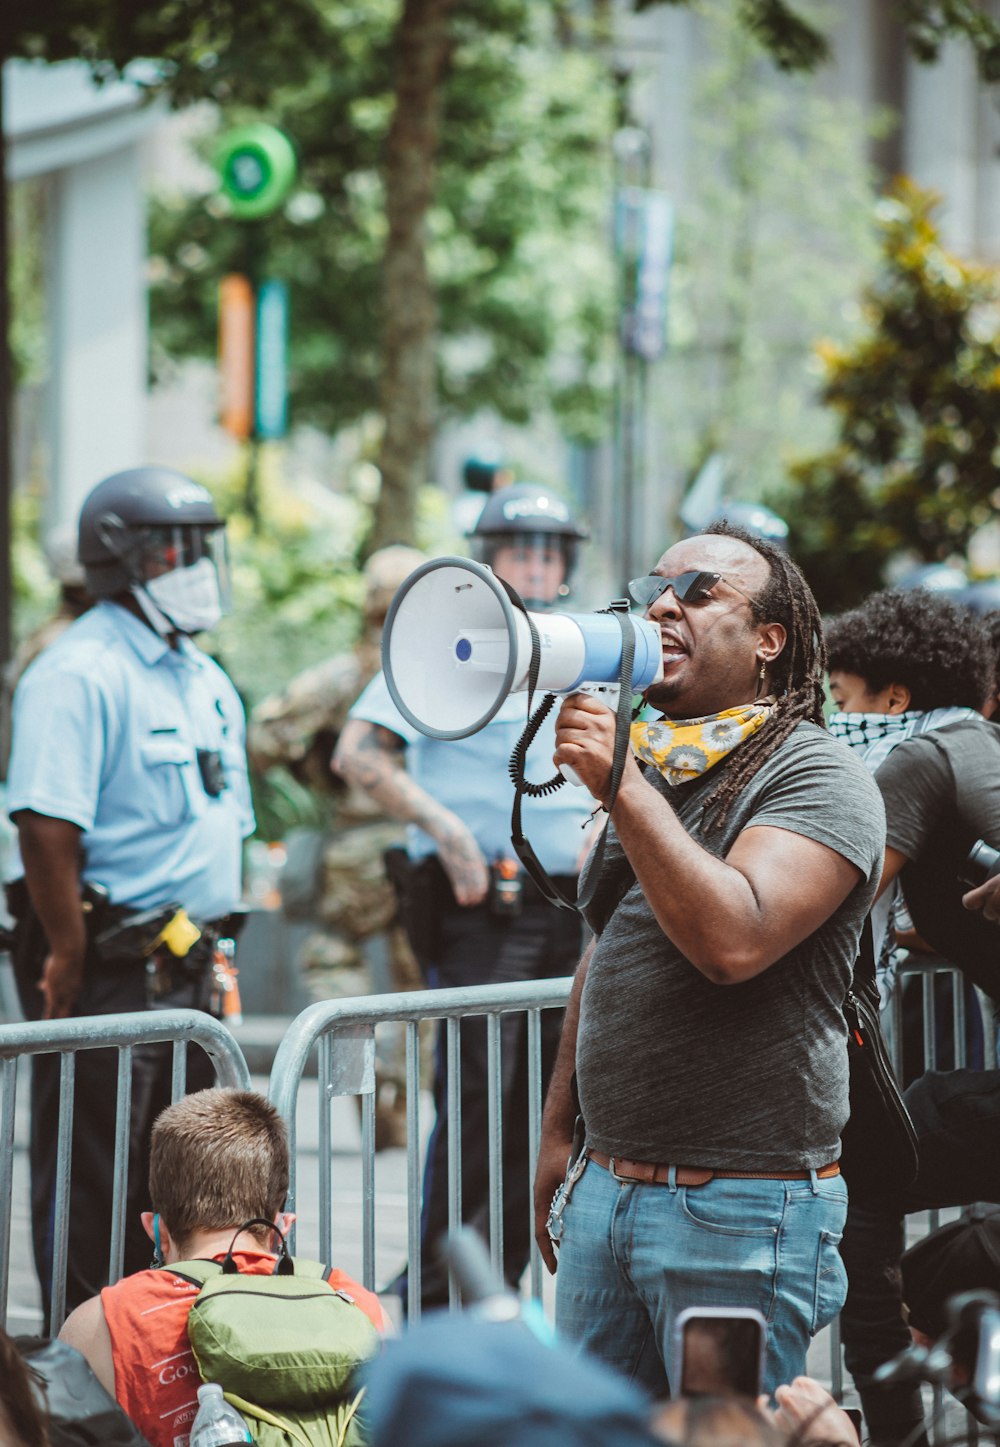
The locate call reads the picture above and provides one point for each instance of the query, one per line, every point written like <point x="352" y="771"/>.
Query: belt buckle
<point x="625" y="1180"/>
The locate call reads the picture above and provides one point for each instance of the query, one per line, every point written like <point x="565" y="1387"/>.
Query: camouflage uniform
<point x="357" y="946"/>
<point x="60" y="549"/>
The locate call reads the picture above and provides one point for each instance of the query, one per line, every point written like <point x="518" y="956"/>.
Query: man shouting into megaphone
<point x="705" y="1028"/>
<point x="472" y="916"/>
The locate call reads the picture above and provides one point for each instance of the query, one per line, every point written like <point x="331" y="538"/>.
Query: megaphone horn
<point x="455" y="646"/>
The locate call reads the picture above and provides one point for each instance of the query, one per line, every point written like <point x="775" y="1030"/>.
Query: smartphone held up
<point x="718" y="1352"/>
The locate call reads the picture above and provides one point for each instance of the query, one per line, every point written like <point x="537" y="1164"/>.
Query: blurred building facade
<point x="85" y="142"/>
<point x="101" y="148"/>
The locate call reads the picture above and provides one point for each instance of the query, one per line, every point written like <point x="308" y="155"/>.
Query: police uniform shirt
<point x="107" y="724"/>
<point x="469" y="776"/>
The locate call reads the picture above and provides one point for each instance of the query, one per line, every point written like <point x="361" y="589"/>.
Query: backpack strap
<point x="200" y="1270"/>
<point x="261" y="1414"/>
<point x="285" y="1424"/>
<point x="196" y="1272"/>
<point x="864" y="965"/>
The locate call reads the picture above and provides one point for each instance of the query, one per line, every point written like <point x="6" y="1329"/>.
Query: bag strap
<point x="201" y="1269"/>
<point x="863" y="974"/>
<point x="197" y="1272"/>
<point x="533" y="866"/>
<point x="284" y="1266"/>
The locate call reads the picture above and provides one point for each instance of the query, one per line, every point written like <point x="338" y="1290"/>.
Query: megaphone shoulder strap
<point x="532" y="865"/>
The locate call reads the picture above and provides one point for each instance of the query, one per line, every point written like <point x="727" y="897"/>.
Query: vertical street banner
<point x="272" y="360"/>
<point x="644" y="237"/>
<point x="236" y="356"/>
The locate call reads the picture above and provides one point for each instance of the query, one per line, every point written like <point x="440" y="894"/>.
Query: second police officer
<point x="464" y="925"/>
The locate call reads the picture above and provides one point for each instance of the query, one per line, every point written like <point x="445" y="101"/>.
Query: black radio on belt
<point x="213" y="775"/>
<point x="506" y="888"/>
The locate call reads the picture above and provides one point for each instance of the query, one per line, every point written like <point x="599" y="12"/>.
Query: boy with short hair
<point x="218" y="1159"/>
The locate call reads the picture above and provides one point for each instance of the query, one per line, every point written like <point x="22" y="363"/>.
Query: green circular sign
<point x="257" y="166"/>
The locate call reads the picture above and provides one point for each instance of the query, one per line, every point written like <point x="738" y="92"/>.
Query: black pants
<point x="957" y="1116"/>
<point x="474" y="947"/>
<point x="93" y="1136"/>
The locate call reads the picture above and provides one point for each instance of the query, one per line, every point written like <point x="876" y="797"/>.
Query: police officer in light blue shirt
<point x="469" y="777"/>
<point x="472" y="916"/>
<point x="128" y="786"/>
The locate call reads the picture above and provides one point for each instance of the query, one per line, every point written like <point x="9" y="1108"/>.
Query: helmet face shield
<point x="167" y="549"/>
<point x="536" y="565"/>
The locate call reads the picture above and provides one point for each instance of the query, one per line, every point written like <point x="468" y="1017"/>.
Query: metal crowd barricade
<point x="932" y="972"/>
<point x="344" y="1031"/>
<point x="929" y="972"/>
<point x="97" y="1032"/>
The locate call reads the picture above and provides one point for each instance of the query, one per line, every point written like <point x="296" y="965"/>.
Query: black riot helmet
<point x="755" y="518"/>
<point x="524" y="525"/>
<point x="142" y="522"/>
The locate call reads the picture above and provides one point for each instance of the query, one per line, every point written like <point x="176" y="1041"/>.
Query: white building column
<point x="941" y="139"/>
<point x="97" y="307"/>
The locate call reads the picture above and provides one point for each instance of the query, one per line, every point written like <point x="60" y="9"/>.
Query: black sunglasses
<point x="688" y="587"/>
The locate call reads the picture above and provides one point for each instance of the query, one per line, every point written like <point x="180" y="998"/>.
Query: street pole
<point x="631" y="152"/>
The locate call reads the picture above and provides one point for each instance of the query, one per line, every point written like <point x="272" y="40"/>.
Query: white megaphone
<point x="455" y="646"/>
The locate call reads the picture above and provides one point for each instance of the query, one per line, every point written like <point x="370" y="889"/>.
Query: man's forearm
<point x="366" y="763"/>
<point x="560" y="1109"/>
<point x="699" y="901"/>
<point x="50" y="852"/>
<point x="735" y="917"/>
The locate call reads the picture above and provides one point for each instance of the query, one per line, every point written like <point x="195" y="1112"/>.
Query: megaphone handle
<point x="606" y="693"/>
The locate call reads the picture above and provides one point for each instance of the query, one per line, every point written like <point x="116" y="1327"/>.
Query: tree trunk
<point x="409" y="316"/>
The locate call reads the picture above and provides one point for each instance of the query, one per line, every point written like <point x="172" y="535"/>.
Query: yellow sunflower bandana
<point x="687" y="748"/>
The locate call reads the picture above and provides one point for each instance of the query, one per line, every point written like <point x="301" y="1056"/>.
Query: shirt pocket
<point x="234" y="766"/>
<point x="175" y="795"/>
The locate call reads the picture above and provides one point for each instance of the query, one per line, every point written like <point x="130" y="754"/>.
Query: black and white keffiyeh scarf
<point x="874" y="736"/>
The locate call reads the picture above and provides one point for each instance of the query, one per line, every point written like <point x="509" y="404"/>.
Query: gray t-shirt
<point x="672" y="1068"/>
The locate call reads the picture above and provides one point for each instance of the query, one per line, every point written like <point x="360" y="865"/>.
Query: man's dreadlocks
<point x="796" y="675"/>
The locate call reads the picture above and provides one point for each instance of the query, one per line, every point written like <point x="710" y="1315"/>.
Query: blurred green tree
<point x="433" y="266"/>
<point x="796" y="40"/>
<point x="213" y="50"/>
<point x="917" y="401"/>
<point x="772" y="246"/>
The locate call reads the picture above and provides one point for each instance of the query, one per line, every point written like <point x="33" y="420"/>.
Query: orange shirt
<point x="156" y="1375"/>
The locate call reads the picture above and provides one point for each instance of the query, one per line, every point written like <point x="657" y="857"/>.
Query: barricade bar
<point x="68" y="1039"/>
<point x="305" y="1030"/>
<point x="340" y="1028"/>
<point x="142" y="1027"/>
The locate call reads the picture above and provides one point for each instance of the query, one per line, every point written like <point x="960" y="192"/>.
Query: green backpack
<point x="283" y="1348"/>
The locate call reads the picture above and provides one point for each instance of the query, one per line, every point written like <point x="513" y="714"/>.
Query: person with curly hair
<point x="906" y="649"/>
<point x="705" y="1027"/>
<point x="912" y="675"/>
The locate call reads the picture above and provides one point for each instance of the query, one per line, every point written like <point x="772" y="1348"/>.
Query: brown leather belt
<point x="650" y="1174"/>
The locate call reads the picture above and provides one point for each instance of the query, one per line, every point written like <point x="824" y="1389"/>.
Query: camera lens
<point x="983" y="863"/>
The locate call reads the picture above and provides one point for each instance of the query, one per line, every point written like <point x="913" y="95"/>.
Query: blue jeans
<point x="633" y="1256"/>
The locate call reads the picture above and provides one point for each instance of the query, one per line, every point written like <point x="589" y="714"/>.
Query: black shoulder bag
<point x="878" y="1144"/>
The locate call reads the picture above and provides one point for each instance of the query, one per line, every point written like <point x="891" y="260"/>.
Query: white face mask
<point x="184" y="601"/>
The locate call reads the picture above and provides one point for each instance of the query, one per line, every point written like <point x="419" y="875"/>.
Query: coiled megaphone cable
<point x="519" y="758"/>
<point x="522" y="847"/>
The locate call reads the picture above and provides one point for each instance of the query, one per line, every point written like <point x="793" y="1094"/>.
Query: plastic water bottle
<point x="217" y="1423"/>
